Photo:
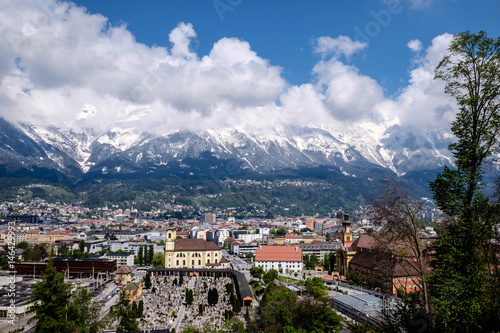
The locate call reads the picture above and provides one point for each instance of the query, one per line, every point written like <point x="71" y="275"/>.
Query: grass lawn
<point x="287" y="279"/>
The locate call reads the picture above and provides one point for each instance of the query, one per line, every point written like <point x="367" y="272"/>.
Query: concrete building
<point x="287" y="259"/>
<point x="222" y="235"/>
<point x="121" y="259"/>
<point x="320" y="249"/>
<point x="210" y="218"/>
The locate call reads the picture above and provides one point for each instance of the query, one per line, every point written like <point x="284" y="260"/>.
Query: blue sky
<point x="284" y="31"/>
<point x="162" y="66"/>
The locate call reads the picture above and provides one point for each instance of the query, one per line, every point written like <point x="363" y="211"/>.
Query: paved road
<point x="238" y="264"/>
<point x="182" y="310"/>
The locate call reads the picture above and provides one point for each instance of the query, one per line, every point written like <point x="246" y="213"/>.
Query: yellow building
<point x="345" y="252"/>
<point x="191" y="253"/>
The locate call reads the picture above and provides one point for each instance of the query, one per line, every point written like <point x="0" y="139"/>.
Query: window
<point x="177" y="263"/>
<point x="199" y="262"/>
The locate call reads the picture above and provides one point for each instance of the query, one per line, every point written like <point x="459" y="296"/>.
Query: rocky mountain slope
<point x="357" y="152"/>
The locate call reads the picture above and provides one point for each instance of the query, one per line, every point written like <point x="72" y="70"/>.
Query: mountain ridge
<point x="398" y="149"/>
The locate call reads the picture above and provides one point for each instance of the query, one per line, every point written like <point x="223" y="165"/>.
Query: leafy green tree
<point x="256" y="272"/>
<point x="281" y="232"/>
<point x="310" y="261"/>
<point x="63" y="250"/>
<point x="82" y="246"/>
<point x="158" y="260"/>
<point x="283" y="312"/>
<point x="22" y="245"/>
<point x="234" y="325"/>
<point x="462" y="282"/>
<point x="270" y="276"/>
<point x="316" y="288"/>
<point x="4" y="263"/>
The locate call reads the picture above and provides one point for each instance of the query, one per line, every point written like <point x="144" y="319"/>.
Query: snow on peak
<point x="87" y="111"/>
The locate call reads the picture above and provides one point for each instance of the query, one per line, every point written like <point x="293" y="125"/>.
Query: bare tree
<point x="398" y="213"/>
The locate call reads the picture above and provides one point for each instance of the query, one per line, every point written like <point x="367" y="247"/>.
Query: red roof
<point x="123" y="270"/>
<point x="278" y="253"/>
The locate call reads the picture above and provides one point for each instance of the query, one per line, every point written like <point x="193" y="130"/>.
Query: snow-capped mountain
<point x="354" y="152"/>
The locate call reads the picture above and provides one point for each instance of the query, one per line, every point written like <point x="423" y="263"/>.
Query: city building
<point x="192" y="253"/>
<point x="210" y="218"/>
<point x="125" y="259"/>
<point x="287" y="259"/>
<point x="123" y="275"/>
<point x="320" y="249"/>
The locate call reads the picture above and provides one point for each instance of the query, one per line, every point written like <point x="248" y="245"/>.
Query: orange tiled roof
<point x="278" y="253"/>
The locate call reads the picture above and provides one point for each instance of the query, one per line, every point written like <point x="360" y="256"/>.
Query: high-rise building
<point x="210" y="218"/>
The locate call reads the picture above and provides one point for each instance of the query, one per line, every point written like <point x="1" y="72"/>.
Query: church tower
<point x="345" y="253"/>
<point x="170" y="237"/>
<point x="346" y="231"/>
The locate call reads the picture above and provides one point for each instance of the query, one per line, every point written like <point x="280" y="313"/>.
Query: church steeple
<point x="170" y="237"/>
<point x="346" y="230"/>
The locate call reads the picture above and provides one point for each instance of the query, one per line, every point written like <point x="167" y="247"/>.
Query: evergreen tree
<point x="141" y="255"/>
<point x="213" y="296"/>
<point x="147" y="281"/>
<point x="236" y="303"/>
<point x="123" y="313"/>
<point x="326" y="262"/>
<point x="135" y="309"/>
<point x="140" y="309"/>
<point x="189" y="296"/>
<point x="52" y="295"/>
<point x="151" y="254"/>
<point x="463" y="285"/>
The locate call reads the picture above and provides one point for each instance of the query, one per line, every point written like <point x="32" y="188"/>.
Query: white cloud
<point x="348" y="94"/>
<point x="415" y="45"/>
<point x="342" y="45"/>
<point x="71" y="59"/>
<point x="61" y="65"/>
<point x="423" y="102"/>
